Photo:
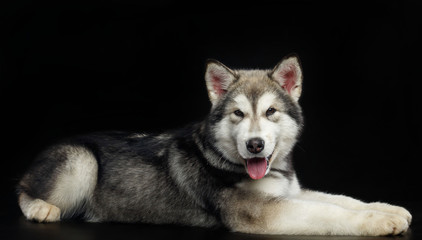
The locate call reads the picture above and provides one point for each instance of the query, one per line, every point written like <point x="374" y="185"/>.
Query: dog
<point x="232" y="170"/>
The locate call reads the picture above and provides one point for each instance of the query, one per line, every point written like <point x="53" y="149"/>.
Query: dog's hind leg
<point x="38" y="210"/>
<point x="59" y="184"/>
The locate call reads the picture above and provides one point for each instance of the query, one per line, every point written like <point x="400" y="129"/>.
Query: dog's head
<point x="255" y="118"/>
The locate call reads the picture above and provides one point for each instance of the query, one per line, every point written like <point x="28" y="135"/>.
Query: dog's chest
<point x="278" y="187"/>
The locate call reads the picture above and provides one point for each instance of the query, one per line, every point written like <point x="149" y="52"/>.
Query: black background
<point x="69" y="67"/>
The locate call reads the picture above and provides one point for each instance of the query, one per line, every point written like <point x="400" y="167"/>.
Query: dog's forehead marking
<point x="258" y="103"/>
<point x="265" y="101"/>
<point x="243" y="102"/>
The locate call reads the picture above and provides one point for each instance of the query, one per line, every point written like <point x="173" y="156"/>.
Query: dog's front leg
<point x="354" y="204"/>
<point x="262" y="215"/>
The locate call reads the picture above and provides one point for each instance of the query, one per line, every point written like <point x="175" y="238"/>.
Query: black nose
<point x="255" y="145"/>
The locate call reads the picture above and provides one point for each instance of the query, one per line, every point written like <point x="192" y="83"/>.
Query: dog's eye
<point x="270" y="111"/>
<point x="239" y="113"/>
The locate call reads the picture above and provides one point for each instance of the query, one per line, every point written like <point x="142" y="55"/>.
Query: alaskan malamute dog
<point x="232" y="170"/>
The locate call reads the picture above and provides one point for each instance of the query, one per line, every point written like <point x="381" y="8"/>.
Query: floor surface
<point x="14" y="226"/>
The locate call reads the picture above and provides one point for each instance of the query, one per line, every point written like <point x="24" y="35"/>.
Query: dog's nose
<point x="255" y="145"/>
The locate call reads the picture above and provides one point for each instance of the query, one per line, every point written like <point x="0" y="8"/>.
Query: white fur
<point x="314" y="213"/>
<point x="287" y="137"/>
<point x="76" y="181"/>
<point x="229" y="134"/>
<point x="354" y="204"/>
<point x="297" y="216"/>
<point x="276" y="187"/>
<point x="264" y="129"/>
<point x="280" y="135"/>
<point x="138" y="135"/>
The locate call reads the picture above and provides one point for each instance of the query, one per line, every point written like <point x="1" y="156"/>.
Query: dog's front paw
<point x="387" y="208"/>
<point x="382" y="224"/>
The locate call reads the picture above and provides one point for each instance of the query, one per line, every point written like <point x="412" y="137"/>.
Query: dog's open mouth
<point x="258" y="167"/>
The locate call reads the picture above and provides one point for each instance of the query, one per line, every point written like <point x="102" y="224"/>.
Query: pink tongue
<point x="257" y="167"/>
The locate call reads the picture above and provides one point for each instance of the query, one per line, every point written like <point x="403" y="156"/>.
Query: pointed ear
<point x="218" y="78"/>
<point x="288" y="73"/>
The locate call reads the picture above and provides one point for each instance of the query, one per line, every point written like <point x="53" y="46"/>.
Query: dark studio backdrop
<point x="70" y="68"/>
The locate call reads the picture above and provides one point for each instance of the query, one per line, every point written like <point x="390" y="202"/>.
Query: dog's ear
<point x="218" y="78"/>
<point x="288" y="73"/>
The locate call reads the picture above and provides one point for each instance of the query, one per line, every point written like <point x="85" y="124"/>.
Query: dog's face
<point x="256" y="111"/>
